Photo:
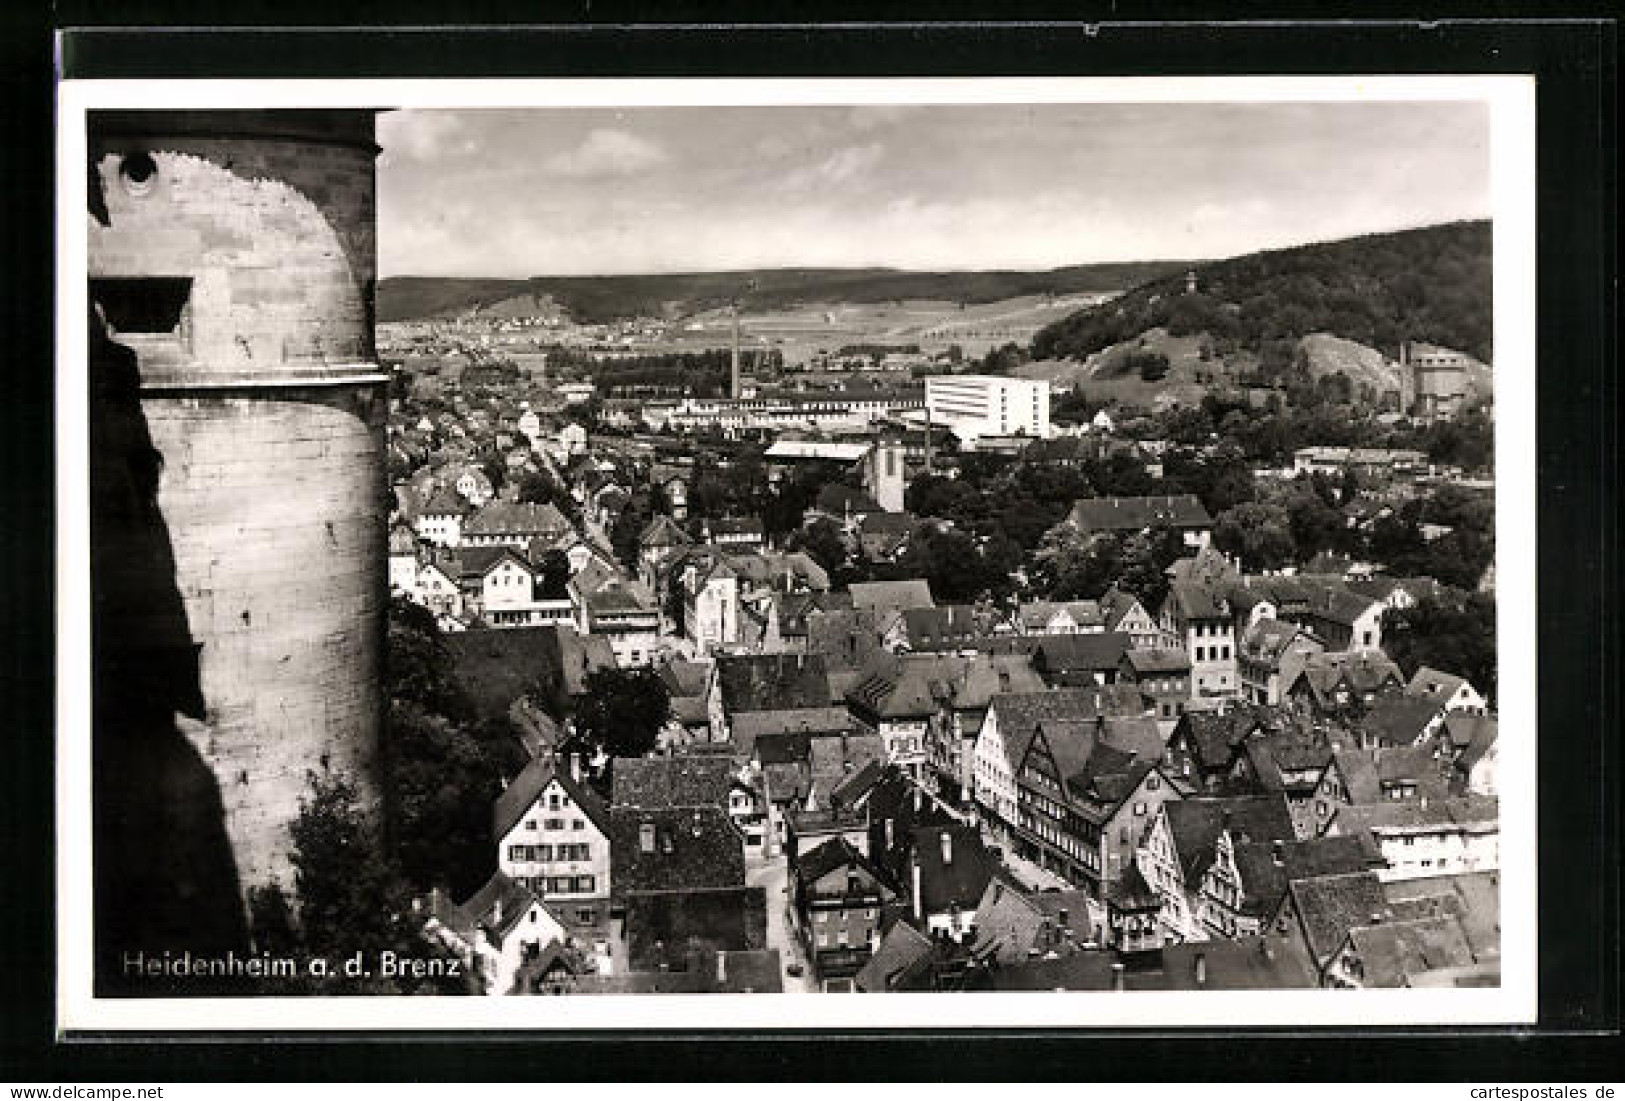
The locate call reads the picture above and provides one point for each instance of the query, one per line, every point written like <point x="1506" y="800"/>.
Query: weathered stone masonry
<point x="268" y="410"/>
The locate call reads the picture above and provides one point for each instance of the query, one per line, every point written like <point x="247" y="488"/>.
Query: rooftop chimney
<point x="1277" y="849"/>
<point x="1117" y="977"/>
<point x="722" y="968"/>
<point x="947" y="847"/>
<point x="1201" y="969"/>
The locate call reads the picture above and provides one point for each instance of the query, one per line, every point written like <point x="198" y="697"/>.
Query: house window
<point x="578" y="824"/>
<point x="530" y="823"/>
<point x="586" y="916"/>
<point x="555" y="823"/>
<point x="1139" y="810"/>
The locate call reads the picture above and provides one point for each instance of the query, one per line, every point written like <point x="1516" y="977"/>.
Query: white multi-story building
<point x="989" y="405"/>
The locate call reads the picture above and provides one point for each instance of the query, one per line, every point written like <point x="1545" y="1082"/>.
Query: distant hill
<point x="590" y="299"/>
<point x="1430" y="285"/>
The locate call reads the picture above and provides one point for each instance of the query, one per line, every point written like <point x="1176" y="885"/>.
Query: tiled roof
<point x="772" y="682"/>
<point x="1195" y="601"/>
<point x="1037" y="614"/>
<point x="694" y="849"/>
<point x="516" y="518"/>
<point x="521" y="794"/>
<point x="1430" y="683"/>
<point x="679" y="929"/>
<point x="1473" y="898"/>
<point x="893" y="596"/>
<point x="1399" y="720"/>
<point x="749" y="728"/>
<point x="446" y="502"/>
<point x="1158" y="662"/>
<point x="1392" y="954"/>
<point x="1137" y="513"/>
<point x="1267" y="868"/>
<point x="498" y="906"/>
<point x="1095" y="652"/>
<point x="684" y="678"/>
<point x="1197" y="823"/>
<point x="663" y="531"/>
<point x="1130" y="891"/>
<point x="1245" y="963"/>
<point x="902" y="951"/>
<point x="956" y="877"/>
<point x="667" y="782"/>
<point x="948" y="626"/>
<point x="1019" y="713"/>
<point x="1329" y="906"/>
<point x="1116" y="603"/>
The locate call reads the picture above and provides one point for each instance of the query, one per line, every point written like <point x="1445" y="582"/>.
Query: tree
<point x="1146" y="558"/>
<point x="1260" y="533"/>
<point x="1456" y="637"/>
<point x="553" y="575"/>
<point x="823" y="542"/>
<point x="442" y="781"/>
<point x="1069" y="568"/>
<point x="352" y="900"/>
<point x="541" y="488"/>
<point x="622" y="711"/>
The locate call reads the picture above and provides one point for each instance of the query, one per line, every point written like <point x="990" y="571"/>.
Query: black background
<point x="1575" y="61"/>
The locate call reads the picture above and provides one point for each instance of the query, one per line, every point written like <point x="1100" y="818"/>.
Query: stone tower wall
<point x="268" y="411"/>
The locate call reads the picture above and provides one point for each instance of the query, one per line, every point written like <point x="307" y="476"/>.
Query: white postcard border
<point x="1511" y="100"/>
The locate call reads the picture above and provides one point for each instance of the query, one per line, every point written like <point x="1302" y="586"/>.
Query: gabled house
<point x="1008" y="727"/>
<point x="1015" y="924"/>
<point x="1467" y="748"/>
<point x="1081" y="659"/>
<point x="1427" y="837"/>
<point x="890" y="597"/>
<point x="501" y="928"/>
<point x="952" y="628"/>
<point x="742" y="683"/>
<point x="440" y="519"/>
<point x="1399" y="720"/>
<point x="1044" y="617"/>
<point x="1205" y="746"/>
<point x="1184" y="842"/>
<point x="1245" y="886"/>
<point x="1450" y="692"/>
<point x="1183" y="513"/>
<point x="839" y="896"/>
<point x="552" y="834"/>
<point x="1269" y="657"/>
<point x="514" y="524"/>
<point x="1122" y="611"/>
<point x="1201" y="619"/>
<point x="949" y="871"/>
<point x="1086" y="792"/>
<point x="1163" y="678"/>
<point x="1340" y="683"/>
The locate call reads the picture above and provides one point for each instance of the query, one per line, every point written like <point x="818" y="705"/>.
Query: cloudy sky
<point x="602" y="191"/>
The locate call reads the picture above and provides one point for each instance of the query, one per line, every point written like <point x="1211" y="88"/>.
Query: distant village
<point x="1197" y="768"/>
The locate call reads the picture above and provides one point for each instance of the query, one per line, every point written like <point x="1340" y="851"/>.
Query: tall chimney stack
<point x="1201" y="969"/>
<point x="733" y="376"/>
<point x="919" y="905"/>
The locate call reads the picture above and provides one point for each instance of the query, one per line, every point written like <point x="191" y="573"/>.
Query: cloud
<point x="842" y="166"/>
<point x="606" y="153"/>
<point x="419" y="135"/>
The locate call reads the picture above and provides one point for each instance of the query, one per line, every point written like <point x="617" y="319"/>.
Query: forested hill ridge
<point x="1430" y="285"/>
<point x="593" y="299"/>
